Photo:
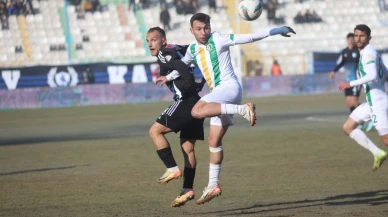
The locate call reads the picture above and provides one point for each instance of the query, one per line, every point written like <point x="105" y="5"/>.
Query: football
<point x="249" y="9"/>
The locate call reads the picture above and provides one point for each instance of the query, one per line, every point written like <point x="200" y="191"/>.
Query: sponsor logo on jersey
<point x="208" y="47"/>
<point x="354" y="55"/>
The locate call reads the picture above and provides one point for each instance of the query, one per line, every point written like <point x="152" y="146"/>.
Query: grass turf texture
<point x="99" y="161"/>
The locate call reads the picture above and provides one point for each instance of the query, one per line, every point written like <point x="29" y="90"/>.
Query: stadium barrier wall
<point x="99" y="94"/>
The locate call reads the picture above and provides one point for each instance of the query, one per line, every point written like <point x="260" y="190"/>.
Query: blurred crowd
<point x="86" y="5"/>
<point x="307" y="17"/>
<point x="13" y="7"/>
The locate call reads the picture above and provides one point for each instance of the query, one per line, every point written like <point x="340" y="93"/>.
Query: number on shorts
<point x="374" y="119"/>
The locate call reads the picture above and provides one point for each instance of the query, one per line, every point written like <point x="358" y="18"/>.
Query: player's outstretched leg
<point x="164" y="152"/>
<point x="350" y="128"/>
<point x="248" y="111"/>
<point x="210" y="109"/>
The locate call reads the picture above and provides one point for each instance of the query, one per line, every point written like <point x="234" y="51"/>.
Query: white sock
<point x="171" y="169"/>
<point x="214" y="175"/>
<point x="364" y="141"/>
<point x="232" y="109"/>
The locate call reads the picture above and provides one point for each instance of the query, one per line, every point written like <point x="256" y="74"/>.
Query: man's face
<point x="201" y="31"/>
<point x="155" y="42"/>
<point x="351" y="42"/>
<point x="362" y="40"/>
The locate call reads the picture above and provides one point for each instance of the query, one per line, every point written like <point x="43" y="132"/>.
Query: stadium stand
<point x="114" y="33"/>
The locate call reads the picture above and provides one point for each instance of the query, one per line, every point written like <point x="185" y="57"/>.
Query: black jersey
<point x="169" y="60"/>
<point x="349" y="59"/>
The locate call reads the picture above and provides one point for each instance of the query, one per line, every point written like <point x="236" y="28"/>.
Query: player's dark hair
<point x="201" y="17"/>
<point x="350" y="35"/>
<point x="158" y="29"/>
<point x="363" y="28"/>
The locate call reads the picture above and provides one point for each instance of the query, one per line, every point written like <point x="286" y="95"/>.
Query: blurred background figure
<point x="165" y="18"/>
<point x="275" y="69"/>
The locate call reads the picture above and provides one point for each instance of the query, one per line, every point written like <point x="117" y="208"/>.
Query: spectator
<point x="79" y="46"/>
<point x="53" y="48"/>
<point x="180" y="7"/>
<point x="299" y="18"/>
<point x="3" y="9"/>
<point x="18" y="49"/>
<point x="61" y="47"/>
<point x="316" y="17"/>
<point x="28" y="7"/>
<point x="165" y="18"/>
<point x="212" y="5"/>
<point x="308" y="16"/>
<point x="382" y="5"/>
<point x="275" y="69"/>
<point x="189" y="7"/>
<point x="145" y="4"/>
<point x="258" y="68"/>
<point x="87" y="76"/>
<point x="271" y="12"/>
<point x="96" y="5"/>
<point x="87" y="6"/>
<point x="4" y="22"/>
<point x="85" y="38"/>
<point x="13" y="9"/>
<point x="132" y="3"/>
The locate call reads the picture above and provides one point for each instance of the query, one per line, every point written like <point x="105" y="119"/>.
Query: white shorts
<point x="228" y="93"/>
<point x="378" y="114"/>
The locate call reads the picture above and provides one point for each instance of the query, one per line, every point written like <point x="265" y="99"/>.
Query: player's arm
<point x="371" y="74"/>
<point x="370" y="70"/>
<point x="184" y="72"/>
<point x="259" y="35"/>
<point x="187" y="59"/>
<point x="338" y="66"/>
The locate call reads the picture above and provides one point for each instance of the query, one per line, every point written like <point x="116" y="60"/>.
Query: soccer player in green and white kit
<point x="210" y="52"/>
<point x="373" y="76"/>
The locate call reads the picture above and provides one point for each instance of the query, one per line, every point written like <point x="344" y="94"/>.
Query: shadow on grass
<point x="373" y="198"/>
<point x="40" y="170"/>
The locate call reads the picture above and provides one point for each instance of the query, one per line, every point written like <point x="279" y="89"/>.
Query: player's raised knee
<point x="347" y="128"/>
<point x="385" y="139"/>
<point x="196" y="113"/>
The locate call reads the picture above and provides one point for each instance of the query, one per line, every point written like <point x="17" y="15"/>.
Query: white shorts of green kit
<point x="229" y="92"/>
<point x="377" y="113"/>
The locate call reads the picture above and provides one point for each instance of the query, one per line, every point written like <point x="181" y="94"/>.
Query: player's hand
<point x="285" y="30"/>
<point x="331" y="75"/>
<point x="162" y="80"/>
<point x="343" y="85"/>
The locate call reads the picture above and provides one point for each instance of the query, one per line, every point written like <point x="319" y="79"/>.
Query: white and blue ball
<point x="249" y="9"/>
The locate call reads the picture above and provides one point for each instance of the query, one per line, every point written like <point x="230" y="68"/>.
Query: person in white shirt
<point x="373" y="77"/>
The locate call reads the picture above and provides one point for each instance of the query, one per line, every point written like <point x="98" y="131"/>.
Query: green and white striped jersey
<point x="374" y="89"/>
<point x="213" y="59"/>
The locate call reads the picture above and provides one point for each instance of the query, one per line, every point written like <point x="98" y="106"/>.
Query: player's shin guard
<point x="165" y="155"/>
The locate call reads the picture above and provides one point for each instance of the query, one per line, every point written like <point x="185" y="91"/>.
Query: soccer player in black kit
<point x="177" y="117"/>
<point x="349" y="60"/>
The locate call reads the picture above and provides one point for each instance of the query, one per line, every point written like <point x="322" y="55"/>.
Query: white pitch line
<point x="313" y="118"/>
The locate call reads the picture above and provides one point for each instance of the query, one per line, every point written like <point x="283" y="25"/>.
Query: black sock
<point x="165" y="155"/>
<point x="188" y="177"/>
<point x="352" y="109"/>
